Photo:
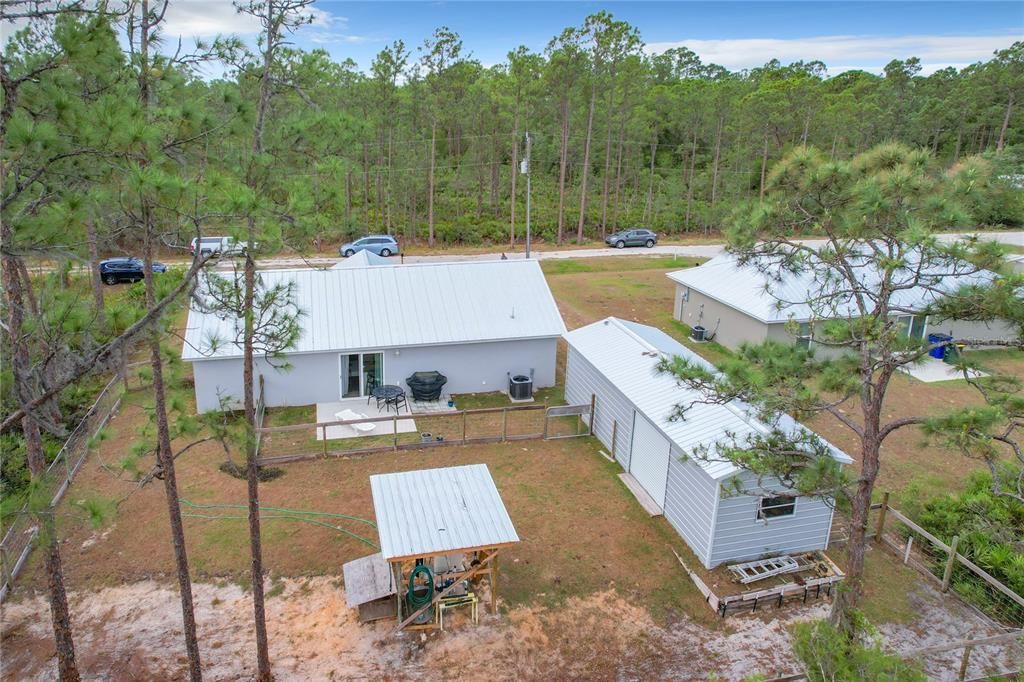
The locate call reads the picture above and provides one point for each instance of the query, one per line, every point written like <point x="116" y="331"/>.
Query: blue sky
<point x="735" y="34"/>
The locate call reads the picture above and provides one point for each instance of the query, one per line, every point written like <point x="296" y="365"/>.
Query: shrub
<point x="828" y="656"/>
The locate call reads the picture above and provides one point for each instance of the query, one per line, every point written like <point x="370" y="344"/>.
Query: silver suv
<point x="380" y="244"/>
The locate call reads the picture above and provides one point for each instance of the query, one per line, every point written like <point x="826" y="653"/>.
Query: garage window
<point x="773" y="507"/>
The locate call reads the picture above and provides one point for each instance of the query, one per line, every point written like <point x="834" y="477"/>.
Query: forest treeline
<point x="427" y="144"/>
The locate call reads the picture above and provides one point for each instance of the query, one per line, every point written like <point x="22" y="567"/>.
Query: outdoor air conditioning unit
<point x="697" y="333"/>
<point x="520" y="386"/>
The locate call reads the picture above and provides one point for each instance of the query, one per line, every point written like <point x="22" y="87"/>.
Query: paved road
<point x="686" y="250"/>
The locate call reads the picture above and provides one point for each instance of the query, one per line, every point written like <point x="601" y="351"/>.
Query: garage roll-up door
<point x="648" y="462"/>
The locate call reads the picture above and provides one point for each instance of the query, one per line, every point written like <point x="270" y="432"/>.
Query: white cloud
<point x="330" y="38"/>
<point x="870" y="53"/>
<point x="207" y="18"/>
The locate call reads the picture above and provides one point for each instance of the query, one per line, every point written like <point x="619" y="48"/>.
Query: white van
<point x="218" y="246"/>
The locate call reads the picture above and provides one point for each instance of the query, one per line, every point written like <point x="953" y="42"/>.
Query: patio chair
<point x="401" y="402"/>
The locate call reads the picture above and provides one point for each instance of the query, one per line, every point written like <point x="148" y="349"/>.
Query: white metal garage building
<point x="616" y="360"/>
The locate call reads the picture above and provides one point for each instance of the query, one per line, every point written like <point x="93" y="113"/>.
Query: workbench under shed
<point x="446" y="512"/>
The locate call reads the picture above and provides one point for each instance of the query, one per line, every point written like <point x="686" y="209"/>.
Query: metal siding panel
<point x="582" y="380"/>
<point x="649" y="458"/>
<point x="690" y="504"/>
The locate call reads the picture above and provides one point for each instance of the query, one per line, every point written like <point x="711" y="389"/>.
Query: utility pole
<point x="524" y="169"/>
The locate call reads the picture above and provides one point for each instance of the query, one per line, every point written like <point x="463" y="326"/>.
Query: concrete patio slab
<point x="328" y="412"/>
<point x="932" y="370"/>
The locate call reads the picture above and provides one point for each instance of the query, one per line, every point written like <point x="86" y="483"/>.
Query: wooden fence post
<point x="546" y="419"/>
<point x="323" y="432"/>
<point x="593" y="404"/>
<point x="504" y="423"/>
<point x="906" y="552"/>
<point x="880" y="526"/>
<point x="965" y="659"/>
<point x="394" y="430"/>
<point x="464" y="427"/>
<point x="948" y="573"/>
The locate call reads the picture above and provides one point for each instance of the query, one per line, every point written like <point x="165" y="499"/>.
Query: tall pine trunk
<point x="606" y="176"/>
<point x="165" y="457"/>
<point x="562" y="163"/>
<point x="164" y="454"/>
<point x="430" y="196"/>
<point x="689" y="177"/>
<point x="1006" y="124"/>
<point x="649" y="204"/>
<point x="515" y="174"/>
<point x="586" y="168"/>
<point x="21" y="369"/>
<point x="94" y="273"/>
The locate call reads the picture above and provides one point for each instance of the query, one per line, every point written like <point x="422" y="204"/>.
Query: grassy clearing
<point x="617" y="264"/>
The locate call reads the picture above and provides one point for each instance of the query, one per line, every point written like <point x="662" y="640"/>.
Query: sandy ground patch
<point x="133" y="632"/>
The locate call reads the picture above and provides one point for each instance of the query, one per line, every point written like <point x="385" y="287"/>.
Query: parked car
<point x="380" y="244"/>
<point x="218" y="246"/>
<point x="118" y="270"/>
<point x="631" y="238"/>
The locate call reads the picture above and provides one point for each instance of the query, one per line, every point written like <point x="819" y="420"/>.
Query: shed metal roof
<point x="627" y="353"/>
<point x="366" y="308"/>
<point x="362" y="259"/>
<point x="754" y="293"/>
<point x="437" y="511"/>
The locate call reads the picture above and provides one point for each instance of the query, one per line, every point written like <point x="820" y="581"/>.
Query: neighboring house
<point x="616" y="361"/>
<point x="733" y="303"/>
<point x="366" y="326"/>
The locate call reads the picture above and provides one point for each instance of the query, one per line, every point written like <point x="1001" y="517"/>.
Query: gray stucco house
<point x="733" y="304"/>
<point x="373" y="324"/>
<point x="722" y="512"/>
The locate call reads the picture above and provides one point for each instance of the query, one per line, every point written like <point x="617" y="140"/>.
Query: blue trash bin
<point x="939" y="352"/>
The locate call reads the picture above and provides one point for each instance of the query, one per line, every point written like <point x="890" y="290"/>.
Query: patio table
<point x="389" y="394"/>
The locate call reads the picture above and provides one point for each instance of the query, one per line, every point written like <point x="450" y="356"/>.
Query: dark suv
<point x="631" y="238"/>
<point x="117" y="270"/>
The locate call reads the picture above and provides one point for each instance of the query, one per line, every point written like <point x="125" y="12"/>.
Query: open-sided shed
<point x="451" y="516"/>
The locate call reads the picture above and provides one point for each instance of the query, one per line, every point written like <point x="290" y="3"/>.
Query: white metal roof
<point x="627" y="353"/>
<point x="366" y="308"/>
<point x="435" y="511"/>
<point x="750" y="291"/>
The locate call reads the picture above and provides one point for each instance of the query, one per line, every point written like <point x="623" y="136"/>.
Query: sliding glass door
<point x="361" y="373"/>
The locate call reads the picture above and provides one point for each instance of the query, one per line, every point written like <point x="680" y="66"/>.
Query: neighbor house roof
<point x="439" y="511"/>
<point x="757" y="294"/>
<point x="366" y="308"/>
<point x="627" y="353"/>
<point x="362" y="259"/>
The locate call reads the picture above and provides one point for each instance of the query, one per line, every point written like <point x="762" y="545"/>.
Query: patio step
<point x="645" y="500"/>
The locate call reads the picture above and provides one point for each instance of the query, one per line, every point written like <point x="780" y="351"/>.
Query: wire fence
<point x="342" y="438"/>
<point x="20" y="533"/>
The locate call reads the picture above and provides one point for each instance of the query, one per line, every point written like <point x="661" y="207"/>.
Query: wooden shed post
<point x="880" y="526"/>
<point x="394" y="430"/>
<point x="494" y="582"/>
<point x="947" y="574"/>
<point x="463" y="427"/>
<point x="593" y="404"/>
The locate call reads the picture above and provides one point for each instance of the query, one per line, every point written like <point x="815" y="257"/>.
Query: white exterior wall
<point x="717" y="527"/>
<point x="690" y="504"/>
<point x="583" y="380"/>
<point x="315" y="377"/>
<point x="740" y="536"/>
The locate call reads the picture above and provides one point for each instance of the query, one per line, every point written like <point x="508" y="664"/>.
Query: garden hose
<point x="276" y="509"/>
<point x="418" y="601"/>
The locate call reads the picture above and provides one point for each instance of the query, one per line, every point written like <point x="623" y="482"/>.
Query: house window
<point x="804" y="336"/>
<point x="772" y="507"/>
